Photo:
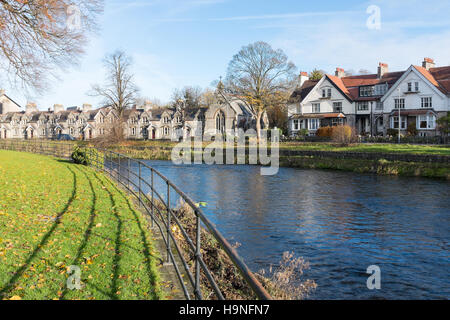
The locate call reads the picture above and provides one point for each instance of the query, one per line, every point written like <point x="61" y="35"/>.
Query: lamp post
<point x="399" y="117"/>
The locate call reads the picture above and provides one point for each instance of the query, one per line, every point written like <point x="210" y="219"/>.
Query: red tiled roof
<point x="338" y="82"/>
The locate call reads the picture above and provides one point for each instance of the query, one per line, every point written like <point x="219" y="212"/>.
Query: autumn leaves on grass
<point x="54" y="215"/>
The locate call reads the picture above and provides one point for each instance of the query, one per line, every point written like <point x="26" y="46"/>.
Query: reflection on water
<point x="340" y="222"/>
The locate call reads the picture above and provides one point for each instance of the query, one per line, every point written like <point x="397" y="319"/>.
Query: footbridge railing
<point x="161" y="200"/>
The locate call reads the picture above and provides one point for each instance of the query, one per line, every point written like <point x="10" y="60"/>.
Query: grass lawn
<point x="54" y="214"/>
<point x="379" y="148"/>
<point x="324" y="146"/>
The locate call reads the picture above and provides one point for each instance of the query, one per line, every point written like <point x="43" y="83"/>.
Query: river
<point x="340" y="222"/>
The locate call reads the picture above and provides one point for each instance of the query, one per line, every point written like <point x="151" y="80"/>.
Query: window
<point x="166" y="120"/>
<point x="324" y="93"/>
<point x="329" y="92"/>
<point x="145" y="120"/>
<point x="427" y="102"/>
<point x="133" y="131"/>
<point x="43" y="132"/>
<point x="380" y="121"/>
<point x="295" y="125"/>
<point x="366" y="91"/>
<point x="394" y="123"/>
<point x="166" y="131"/>
<point x="363" y="106"/>
<point x="314" y="124"/>
<point x="71" y="131"/>
<point x="337" y="107"/>
<point x="316" y="107"/>
<point x="417" y="86"/>
<point x="379" y="105"/>
<point x="426" y="122"/>
<point x="381" y="89"/>
<point x="220" y="122"/>
<point x="399" y="103"/>
<point x="409" y="86"/>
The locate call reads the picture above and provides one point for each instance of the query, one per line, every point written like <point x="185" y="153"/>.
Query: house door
<point x="31" y="133"/>
<point x="90" y="134"/>
<point x="153" y="134"/>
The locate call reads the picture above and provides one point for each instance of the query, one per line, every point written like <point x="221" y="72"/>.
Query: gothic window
<point x="220" y="122"/>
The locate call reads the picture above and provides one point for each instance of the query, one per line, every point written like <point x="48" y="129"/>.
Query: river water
<point x="340" y="222"/>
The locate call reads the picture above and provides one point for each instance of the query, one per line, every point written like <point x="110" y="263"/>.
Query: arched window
<point x="220" y="122"/>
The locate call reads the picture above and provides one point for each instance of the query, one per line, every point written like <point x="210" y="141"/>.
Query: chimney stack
<point x="428" y="63"/>
<point x="303" y="78"/>
<point x="86" y="107"/>
<point x="383" y="68"/>
<point x="58" y="108"/>
<point x="2" y="92"/>
<point x="340" y="73"/>
<point x="31" y="107"/>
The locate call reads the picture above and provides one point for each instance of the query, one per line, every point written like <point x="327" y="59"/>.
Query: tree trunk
<point x="258" y="125"/>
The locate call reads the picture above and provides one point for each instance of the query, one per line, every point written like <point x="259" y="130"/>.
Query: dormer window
<point x="166" y="120"/>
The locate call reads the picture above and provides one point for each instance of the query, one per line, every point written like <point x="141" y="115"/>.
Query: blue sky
<point x="176" y="43"/>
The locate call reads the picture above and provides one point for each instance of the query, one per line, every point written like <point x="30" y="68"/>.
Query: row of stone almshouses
<point x="141" y="123"/>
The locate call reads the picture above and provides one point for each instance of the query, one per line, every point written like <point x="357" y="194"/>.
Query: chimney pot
<point x="58" y="108"/>
<point x="383" y="68"/>
<point x="340" y="73"/>
<point x="428" y="63"/>
<point x="303" y="78"/>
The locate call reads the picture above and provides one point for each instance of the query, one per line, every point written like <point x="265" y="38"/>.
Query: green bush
<point x="88" y="157"/>
<point x="79" y="156"/>
<point x="412" y="130"/>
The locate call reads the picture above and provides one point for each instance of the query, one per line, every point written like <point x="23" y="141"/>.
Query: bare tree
<point x="119" y="90"/>
<point x="260" y="75"/>
<point x="190" y="95"/>
<point x="40" y="36"/>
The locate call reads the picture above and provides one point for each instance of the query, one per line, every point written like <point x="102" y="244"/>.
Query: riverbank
<point x="400" y="160"/>
<point x="57" y="217"/>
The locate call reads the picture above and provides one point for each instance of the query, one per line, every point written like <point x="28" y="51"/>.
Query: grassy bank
<point x="54" y="214"/>
<point x="381" y="167"/>
<point x="322" y="146"/>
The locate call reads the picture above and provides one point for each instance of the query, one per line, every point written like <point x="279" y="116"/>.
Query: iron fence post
<point x="153" y="200"/>
<point x="128" y="176"/>
<point x="139" y="177"/>
<point x="197" y="257"/>
<point x="168" y="222"/>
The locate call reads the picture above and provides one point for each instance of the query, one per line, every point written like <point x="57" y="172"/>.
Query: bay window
<point x="394" y="123"/>
<point x="426" y="122"/>
<point x="314" y="124"/>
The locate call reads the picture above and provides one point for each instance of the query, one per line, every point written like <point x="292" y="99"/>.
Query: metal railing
<point x="160" y="199"/>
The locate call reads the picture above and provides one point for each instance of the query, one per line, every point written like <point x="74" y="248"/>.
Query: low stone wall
<point x="366" y="156"/>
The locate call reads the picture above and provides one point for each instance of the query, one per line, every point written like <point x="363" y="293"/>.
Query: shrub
<point x="412" y="130"/>
<point x="392" y="132"/>
<point x="324" y="132"/>
<point x="343" y="134"/>
<point x="79" y="156"/>
<point x="88" y="157"/>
